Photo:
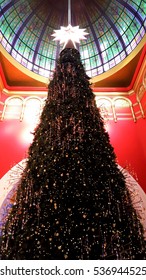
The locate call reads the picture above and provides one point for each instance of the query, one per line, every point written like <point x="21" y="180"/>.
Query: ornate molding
<point x="112" y="108"/>
<point x="120" y="108"/>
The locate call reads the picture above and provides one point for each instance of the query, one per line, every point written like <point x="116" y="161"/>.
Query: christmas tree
<point x="72" y="201"/>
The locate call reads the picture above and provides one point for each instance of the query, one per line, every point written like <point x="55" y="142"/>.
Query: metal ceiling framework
<point x="115" y="29"/>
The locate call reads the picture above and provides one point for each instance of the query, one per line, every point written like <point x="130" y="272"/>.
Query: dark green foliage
<point x="72" y="200"/>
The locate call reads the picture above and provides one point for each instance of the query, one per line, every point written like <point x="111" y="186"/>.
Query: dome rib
<point x="40" y="38"/>
<point x="119" y="37"/>
<point x="93" y="32"/>
<point x="23" y="26"/>
<point x="58" y="44"/>
<point x="7" y="7"/>
<point x="132" y="10"/>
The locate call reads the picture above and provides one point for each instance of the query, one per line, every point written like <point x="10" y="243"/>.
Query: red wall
<point x="13" y="146"/>
<point x="129" y="140"/>
<point x="127" y="137"/>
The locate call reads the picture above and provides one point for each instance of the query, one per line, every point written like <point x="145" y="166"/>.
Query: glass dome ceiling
<point x="115" y="28"/>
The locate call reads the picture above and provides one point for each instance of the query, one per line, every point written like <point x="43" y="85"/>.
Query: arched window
<point x="123" y="108"/>
<point x="13" y="108"/>
<point x="105" y="106"/>
<point x="32" y="109"/>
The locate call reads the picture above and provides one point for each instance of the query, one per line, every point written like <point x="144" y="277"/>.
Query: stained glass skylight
<point x="115" y="28"/>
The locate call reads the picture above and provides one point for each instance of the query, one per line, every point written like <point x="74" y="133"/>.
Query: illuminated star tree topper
<point x="69" y="33"/>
